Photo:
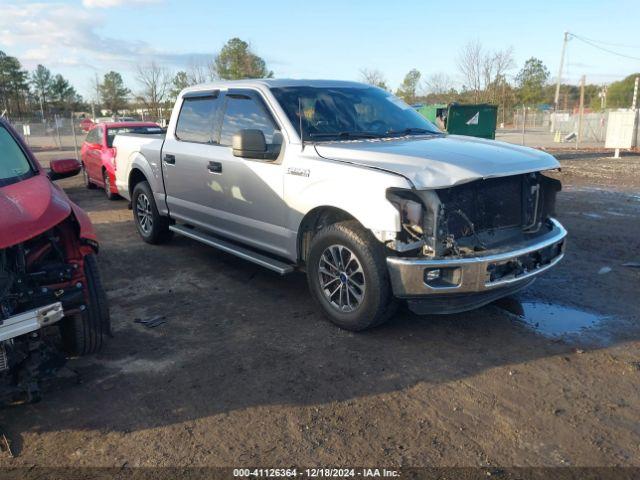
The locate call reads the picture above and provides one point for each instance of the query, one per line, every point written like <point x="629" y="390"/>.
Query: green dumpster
<point x="477" y="120"/>
<point x="473" y="120"/>
<point x="433" y="112"/>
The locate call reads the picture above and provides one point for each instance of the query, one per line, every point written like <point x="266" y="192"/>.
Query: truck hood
<point x="29" y="208"/>
<point x="440" y="161"/>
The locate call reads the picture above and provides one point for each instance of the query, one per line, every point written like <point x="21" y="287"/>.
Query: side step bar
<point x="263" y="260"/>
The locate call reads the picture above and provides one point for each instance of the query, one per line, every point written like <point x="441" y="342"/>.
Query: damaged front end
<point x="475" y="238"/>
<point x="41" y="282"/>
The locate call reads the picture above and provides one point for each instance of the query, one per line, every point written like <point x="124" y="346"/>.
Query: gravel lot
<point x="246" y="372"/>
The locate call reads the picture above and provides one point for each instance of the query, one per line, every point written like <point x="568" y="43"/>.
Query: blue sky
<point x="321" y="39"/>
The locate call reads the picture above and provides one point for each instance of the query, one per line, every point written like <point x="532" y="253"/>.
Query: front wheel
<point x="84" y="333"/>
<point x="152" y="227"/>
<point x="348" y="277"/>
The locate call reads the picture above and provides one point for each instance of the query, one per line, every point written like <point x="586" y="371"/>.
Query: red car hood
<point x="29" y="208"/>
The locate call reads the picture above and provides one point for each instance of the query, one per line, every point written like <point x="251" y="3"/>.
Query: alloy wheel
<point x="341" y="278"/>
<point x="144" y="214"/>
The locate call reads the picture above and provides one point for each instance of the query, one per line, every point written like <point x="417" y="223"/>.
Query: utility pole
<point x="634" y="103"/>
<point x="524" y="121"/>
<point x="603" y="97"/>
<point x="564" y="47"/>
<point x="42" y="104"/>
<point x="581" y="112"/>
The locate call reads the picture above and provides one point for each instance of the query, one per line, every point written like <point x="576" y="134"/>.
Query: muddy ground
<point x="246" y="372"/>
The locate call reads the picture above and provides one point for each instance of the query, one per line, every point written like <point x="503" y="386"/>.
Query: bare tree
<point x="155" y="82"/>
<point x="495" y="65"/>
<point x="374" y="77"/>
<point x="470" y="66"/>
<point x="482" y="69"/>
<point x="438" y="83"/>
<point x="199" y="72"/>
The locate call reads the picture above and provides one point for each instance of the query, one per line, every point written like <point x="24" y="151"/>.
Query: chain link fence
<point x="551" y="129"/>
<point x="54" y="133"/>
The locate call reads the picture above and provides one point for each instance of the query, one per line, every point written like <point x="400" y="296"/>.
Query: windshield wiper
<point x="346" y="135"/>
<point x="409" y="131"/>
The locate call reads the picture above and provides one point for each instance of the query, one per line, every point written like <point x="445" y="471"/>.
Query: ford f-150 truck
<point x="349" y="184"/>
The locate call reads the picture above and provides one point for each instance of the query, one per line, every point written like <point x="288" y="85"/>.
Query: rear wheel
<point x="107" y="186"/>
<point x="152" y="227"/>
<point x="347" y="275"/>
<point x="84" y="333"/>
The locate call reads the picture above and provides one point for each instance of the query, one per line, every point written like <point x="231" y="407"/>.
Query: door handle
<point x="215" y="167"/>
<point x="170" y="159"/>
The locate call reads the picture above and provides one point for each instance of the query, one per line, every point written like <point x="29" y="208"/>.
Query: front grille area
<point x="486" y="204"/>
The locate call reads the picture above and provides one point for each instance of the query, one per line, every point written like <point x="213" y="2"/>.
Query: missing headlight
<point x="411" y="219"/>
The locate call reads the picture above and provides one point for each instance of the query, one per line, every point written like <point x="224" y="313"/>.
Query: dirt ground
<point x="247" y="372"/>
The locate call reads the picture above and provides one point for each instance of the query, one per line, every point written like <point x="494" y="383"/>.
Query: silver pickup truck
<point x="349" y="184"/>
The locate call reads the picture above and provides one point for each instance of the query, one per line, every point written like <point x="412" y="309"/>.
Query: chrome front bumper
<point x="30" y="321"/>
<point x="409" y="276"/>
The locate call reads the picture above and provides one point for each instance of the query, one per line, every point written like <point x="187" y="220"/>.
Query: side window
<point x="195" y="122"/>
<point x="91" y="136"/>
<point x="243" y="112"/>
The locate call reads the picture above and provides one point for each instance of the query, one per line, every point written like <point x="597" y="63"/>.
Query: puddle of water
<point x="555" y="321"/>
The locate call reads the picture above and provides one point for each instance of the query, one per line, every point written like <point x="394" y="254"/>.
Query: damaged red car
<point x="52" y="303"/>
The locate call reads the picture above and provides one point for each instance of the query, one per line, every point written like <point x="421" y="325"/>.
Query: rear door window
<point x="245" y="112"/>
<point x="197" y="118"/>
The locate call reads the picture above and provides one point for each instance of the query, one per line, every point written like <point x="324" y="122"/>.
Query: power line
<point x="606" y="43"/>
<point x="621" y="45"/>
<point x="589" y="42"/>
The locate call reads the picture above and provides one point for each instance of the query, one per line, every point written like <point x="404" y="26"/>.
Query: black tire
<point x="84" y="333"/>
<point x="157" y="231"/>
<point x="87" y="182"/>
<point x="107" y="186"/>
<point x="377" y="303"/>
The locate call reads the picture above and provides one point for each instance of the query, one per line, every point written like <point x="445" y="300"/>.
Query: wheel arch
<point x="313" y="221"/>
<point x="135" y="176"/>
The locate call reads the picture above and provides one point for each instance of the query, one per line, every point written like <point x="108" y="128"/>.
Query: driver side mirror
<point x="250" y="143"/>
<point x="63" y="168"/>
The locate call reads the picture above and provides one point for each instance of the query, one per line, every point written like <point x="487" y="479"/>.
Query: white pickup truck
<point x="348" y="183"/>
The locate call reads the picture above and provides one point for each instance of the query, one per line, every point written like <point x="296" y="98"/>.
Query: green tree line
<point x="484" y="73"/>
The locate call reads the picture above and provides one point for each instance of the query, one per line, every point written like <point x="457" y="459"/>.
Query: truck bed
<point x="128" y="146"/>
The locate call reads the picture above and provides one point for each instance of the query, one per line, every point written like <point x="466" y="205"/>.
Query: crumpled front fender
<point x="86" y="230"/>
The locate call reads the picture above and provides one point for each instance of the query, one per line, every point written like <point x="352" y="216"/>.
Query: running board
<point x="263" y="260"/>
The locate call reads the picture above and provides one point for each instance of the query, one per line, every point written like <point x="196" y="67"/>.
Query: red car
<point x="86" y="124"/>
<point x="52" y="301"/>
<point x="99" y="156"/>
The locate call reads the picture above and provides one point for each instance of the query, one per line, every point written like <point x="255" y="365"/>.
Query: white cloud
<point x="115" y="3"/>
<point x="59" y="34"/>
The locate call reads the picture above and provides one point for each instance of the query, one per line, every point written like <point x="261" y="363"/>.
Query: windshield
<point x="330" y="113"/>
<point x="145" y="130"/>
<point x="14" y="165"/>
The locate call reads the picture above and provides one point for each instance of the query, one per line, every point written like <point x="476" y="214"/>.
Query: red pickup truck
<point x="52" y="303"/>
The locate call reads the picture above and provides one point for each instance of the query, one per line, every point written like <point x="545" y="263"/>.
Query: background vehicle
<point x="350" y="184"/>
<point x="86" y="124"/>
<point x="51" y="296"/>
<point x="98" y="154"/>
